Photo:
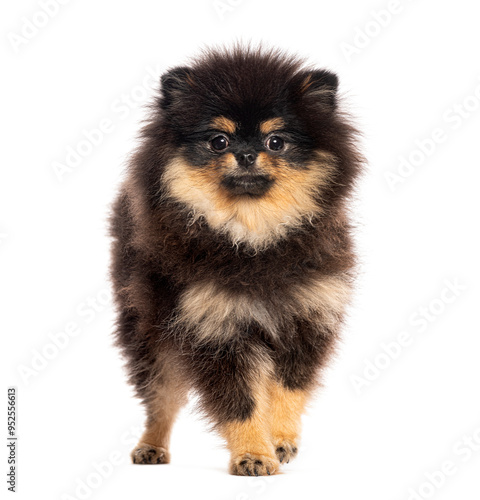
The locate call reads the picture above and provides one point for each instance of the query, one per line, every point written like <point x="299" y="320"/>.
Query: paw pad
<point x="148" y="454"/>
<point x="253" y="465"/>
<point x="286" y="452"/>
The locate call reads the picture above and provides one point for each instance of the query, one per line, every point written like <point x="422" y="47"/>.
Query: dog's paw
<point x="147" y="454"/>
<point x="286" y="451"/>
<point x="250" y="464"/>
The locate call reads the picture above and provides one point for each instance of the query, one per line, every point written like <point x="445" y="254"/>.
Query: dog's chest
<point x="213" y="312"/>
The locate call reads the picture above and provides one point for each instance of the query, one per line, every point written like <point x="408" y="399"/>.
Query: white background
<point x="375" y="441"/>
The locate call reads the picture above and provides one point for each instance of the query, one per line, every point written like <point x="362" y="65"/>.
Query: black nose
<point x="246" y="159"/>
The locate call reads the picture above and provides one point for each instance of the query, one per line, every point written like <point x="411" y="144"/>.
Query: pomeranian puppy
<point x="232" y="255"/>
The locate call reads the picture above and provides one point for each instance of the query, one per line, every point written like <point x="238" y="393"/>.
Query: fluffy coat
<point x="232" y="268"/>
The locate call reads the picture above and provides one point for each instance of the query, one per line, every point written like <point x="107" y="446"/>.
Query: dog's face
<point x="251" y="140"/>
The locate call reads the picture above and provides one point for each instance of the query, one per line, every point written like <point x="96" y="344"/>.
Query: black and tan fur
<point x="231" y="278"/>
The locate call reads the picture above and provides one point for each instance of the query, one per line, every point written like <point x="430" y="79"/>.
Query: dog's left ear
<point x="174" y="85"/>
<point x="318" y="84"/>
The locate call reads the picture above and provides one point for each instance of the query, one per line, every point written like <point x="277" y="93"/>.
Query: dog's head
<point x="254" y="140"/>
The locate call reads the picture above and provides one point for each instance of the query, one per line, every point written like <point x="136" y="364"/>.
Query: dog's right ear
<point x="174" y="84"/>
<point x="319" y="86"/>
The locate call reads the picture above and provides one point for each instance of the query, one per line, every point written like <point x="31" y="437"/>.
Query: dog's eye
<point x="275" y="143"/>
<point x="219" y="143"/>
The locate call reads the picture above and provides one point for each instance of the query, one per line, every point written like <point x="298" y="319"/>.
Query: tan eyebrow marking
<point x="270" y="125"/>
<point x="224" y="124"/>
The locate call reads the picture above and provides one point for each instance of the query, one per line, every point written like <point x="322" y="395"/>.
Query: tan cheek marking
<point x="292" y="194"/>
<point x="199" y="189"/>
<point x="257" y="221"/>
<point x="270" y="125"/>
<point x="287" y="407"/>
<point x="224" y="124"/>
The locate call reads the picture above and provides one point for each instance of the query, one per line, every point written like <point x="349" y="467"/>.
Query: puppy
<point x="232" y="256"/>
